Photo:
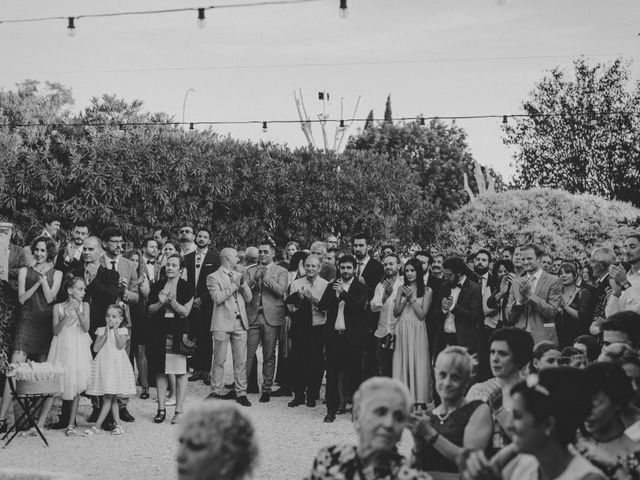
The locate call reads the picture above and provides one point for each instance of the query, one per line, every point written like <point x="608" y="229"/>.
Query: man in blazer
<point x="265" y="312"/>
<point x="369" y="272"/>
<point x="198" y="265"/>
<point x="459" y="316"/>
<point x="229" y="323"/>
<point x="345" y="333"/>
<point x="534" y="297"/>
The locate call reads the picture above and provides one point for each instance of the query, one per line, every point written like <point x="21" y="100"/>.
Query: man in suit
<point x="625" y="284"/>
<point x="102" y="289"/>
<point x="345" y="333"/>
<point x="229" y="323"/>
<point x="268" y="283"/>
<point x="161" y="236"/>
<point x="481" y="263"/>
<point x="112" y="241"/>
<point x="198" y="265"/>
<point x="369" y="272"/>
<point x="434" y="283"/>
<point x="71" y="257"/>
<point x="186" y="240"/>
<point x="459" y="316"/>
<point x="601" y="259"/>
<point x="534" y="297"/>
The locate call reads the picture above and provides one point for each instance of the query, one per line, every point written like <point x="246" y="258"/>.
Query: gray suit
<point x="266" y="316"/>
<point x="228" y="323"/>
<point x="537" y="314"/>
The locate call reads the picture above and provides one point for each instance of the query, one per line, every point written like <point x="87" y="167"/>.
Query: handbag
<point x="388" y="342"/>
<point x="187" y="347"/>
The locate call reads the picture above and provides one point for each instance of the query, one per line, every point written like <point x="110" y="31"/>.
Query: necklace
<point x="442" y="417"/>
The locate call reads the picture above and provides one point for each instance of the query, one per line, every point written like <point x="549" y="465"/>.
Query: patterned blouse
<point x="341" y="462"/>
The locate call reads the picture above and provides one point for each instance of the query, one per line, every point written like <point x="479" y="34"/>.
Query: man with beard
<point x="198" y="265"/>
<point x="161" y="236"/>
<point x="345" y="333"/>
<point x="555" y="266"/>
<point x="436" y="266"/>
<point x="186" y="239"/>
<point x="369" y="272"/>
<point x="112" y="242"/>
<point x="481" y="264"/>
<point x="625" y="285"/>
<point x="507" y="253"/>
<point x="384" y="299"/>
<point x="71" y="257"/>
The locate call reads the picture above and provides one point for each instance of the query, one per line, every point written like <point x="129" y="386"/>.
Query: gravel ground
<point x="288" y="438"/>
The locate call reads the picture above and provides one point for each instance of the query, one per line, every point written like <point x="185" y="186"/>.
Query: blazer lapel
<point x="542" y="280"/>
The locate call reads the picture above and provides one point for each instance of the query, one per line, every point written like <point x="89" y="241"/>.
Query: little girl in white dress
<point x="111" y="371"/>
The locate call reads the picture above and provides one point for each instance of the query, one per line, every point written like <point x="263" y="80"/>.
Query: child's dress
<point x="111" y="371"/>
<point x="71" y="349"/>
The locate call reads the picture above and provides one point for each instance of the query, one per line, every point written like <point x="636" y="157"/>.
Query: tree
<point x="565" y="224"/>
<point x="388" y="116"/>
<point x="582" y="132"/>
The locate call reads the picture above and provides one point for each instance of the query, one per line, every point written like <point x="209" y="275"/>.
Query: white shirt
<point x="199" y="261"/>
<point x="387" y="321"/>
<point x="449" y="321"/>
<point x="151" y="268"/>
<point x="628" y="300"/>
<point x="533" y="279"/>
<point x="109" y="262"/>
<point x="316" y="288"/>
<point x="340" y="325"/>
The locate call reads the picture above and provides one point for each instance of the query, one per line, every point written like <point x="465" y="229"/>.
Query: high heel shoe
<point x="145" y="393"/>
<point x="160" y="416"/>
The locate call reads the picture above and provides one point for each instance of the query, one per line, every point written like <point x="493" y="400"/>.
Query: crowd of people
<point x="511" y="364"/>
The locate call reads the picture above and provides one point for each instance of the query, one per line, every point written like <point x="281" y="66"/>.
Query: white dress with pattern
<point x="111" y="371"/>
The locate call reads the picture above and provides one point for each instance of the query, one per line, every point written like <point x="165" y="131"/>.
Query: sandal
<point x="91" y="431"/>
<point x="176" y="418"/>
<point x="145" y="393"/>
<point x="160" y="416"/>
<point x="117" y="430"/>
<point x="72" y="432"/>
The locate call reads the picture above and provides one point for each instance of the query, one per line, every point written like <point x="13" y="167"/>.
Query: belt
<point x="340" y="332"/>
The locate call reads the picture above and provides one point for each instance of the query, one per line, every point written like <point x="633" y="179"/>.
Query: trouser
<point x="370" y="357"/>
<point x="262" y="332"/>
<point x="201" y="359"/>
<point x="238" y="339"/>
<point x="307" y="361"/>
<point x="384" y="359"/>
<point x="342" y="358"/>
<point x="284" y="375"/>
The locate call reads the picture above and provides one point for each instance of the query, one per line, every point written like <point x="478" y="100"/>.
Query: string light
<point x="341" y="123"/>
<point x="202" y="21"/>
<point x="344" y="12"/>
<point x="264" y="127"/>
<point x="421" y="119"/>
<point x="504" y="120"/>
<point x="71" y="27"/>
<point x="191" y="126"/>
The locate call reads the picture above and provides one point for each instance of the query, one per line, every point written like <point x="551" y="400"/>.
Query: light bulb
<point x="202" y="21"/>
<point x="422" y="123"/>
<point x="341" y="123"/>
<point x="71" y="28"/>
<point x="264" y="127"/>
<point x="344" y="12"/>
<point x="504" y="120"/>
<point x="191" y="126"/>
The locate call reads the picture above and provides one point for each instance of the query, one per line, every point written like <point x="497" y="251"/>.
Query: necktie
<point x="113" y="264"/>
<point x="235" y="294"/>
<point x="359" y="272"/>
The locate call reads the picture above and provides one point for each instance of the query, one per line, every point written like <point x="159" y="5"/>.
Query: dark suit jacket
<point x="468" y="315"/>
<point x="373" y="274"/>
<point x="354" y="312"/>
<point x="99" y="294"/>
<point x="17" y="260"/>
<point x="210" y="264"/>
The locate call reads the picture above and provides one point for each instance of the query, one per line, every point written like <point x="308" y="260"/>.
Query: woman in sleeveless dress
<point x="38" y="286"/>
<point x="411" y="362"/>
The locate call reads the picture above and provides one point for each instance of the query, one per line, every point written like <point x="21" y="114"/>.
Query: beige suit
<point x="228" y="324"/>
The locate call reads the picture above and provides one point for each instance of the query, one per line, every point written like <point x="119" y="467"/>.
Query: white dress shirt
<point x="628" y="300"/>
<point x="387" y="320"/>
<point x="340" y="324"/>
<point x="449" y="321"/>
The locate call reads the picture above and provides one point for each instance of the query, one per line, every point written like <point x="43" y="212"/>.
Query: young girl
<point x="111" y="372"/>
<point x="71" y="348"/>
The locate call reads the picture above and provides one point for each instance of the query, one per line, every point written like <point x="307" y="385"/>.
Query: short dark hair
<point x="456" y="265"/>
<point x="520" y="343"/>
<point x="109" y="233"/>
<point x="81" y="223"/>
<point x="509" y="249"/>
<point x="332" y="250"/>
<point x="146" y="241"/>
<point x="295" y="259"/>
<point x="389" y="246"/>
<point x="610" y="379"/>
<point x="348" y="259"/>
<point x="361" y="236"/>
<point x="50" y="246"/>
<point x="561" y="393"/>
<point x="593" y="347"/>
<point x="268" y="242"/>
<point x="536" y="249"/>
<point x="485" y="251"/>
<point x="394" y="255"/>
<point x="423" y="253"/>
<point x="204" y="229"/>
<point x="627" y="322"/>
<point x="163" y="232"/>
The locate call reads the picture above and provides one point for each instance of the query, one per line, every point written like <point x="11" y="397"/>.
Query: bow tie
<point x="459" y="285"/>
<point x="150" y="262"/>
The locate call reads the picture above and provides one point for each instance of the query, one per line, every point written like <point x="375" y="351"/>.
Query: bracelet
<point x="433" y="440"/>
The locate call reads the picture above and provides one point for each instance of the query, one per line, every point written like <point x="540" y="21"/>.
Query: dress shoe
<point x="207" y="379"/>
<point x="296" y="401"/>
<point x="218" y="396"/>
<point x="281" y="392"/>
<point x="125" y="416"/>
<point x="311" y="402"/>
<point x="244" y="401"/>
<point x="197" y="375"/>
<point x="253" y="389"/>
<point x="265" y="397"/>
<point x="330" y="417"/>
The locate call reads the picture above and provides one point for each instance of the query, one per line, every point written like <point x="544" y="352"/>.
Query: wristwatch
<point x="625" y="285"/>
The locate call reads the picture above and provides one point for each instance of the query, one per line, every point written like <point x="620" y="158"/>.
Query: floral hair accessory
<point x="533" y="382"/>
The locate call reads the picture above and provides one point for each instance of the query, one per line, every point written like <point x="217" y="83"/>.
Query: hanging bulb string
<point x="421" y="120"/>
<point x="168" y="10"/>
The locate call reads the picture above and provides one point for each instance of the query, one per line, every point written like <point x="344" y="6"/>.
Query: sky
<point x="434" y="57"/>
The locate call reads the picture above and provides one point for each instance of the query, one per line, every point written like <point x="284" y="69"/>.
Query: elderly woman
<point x="381" y="410"/>
<point x="456" y="424"/>
<point x="217" y="442"/>
<point x="547" y="411"/>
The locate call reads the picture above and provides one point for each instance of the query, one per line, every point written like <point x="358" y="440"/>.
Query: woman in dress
<point x="456" y="424"/>
<point x="411" y="362"/>
<point x="575" y="312"/>
<point x="604" y="442"/>
<point x="381" y="410"/>
<point x="500" y="288"/>
<point x="170" y="302"/>
<point x="38" y="286"/>
<point x="548" y="410"/>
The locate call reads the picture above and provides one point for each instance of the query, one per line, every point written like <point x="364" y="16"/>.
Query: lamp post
<point x="184" y="102"/>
